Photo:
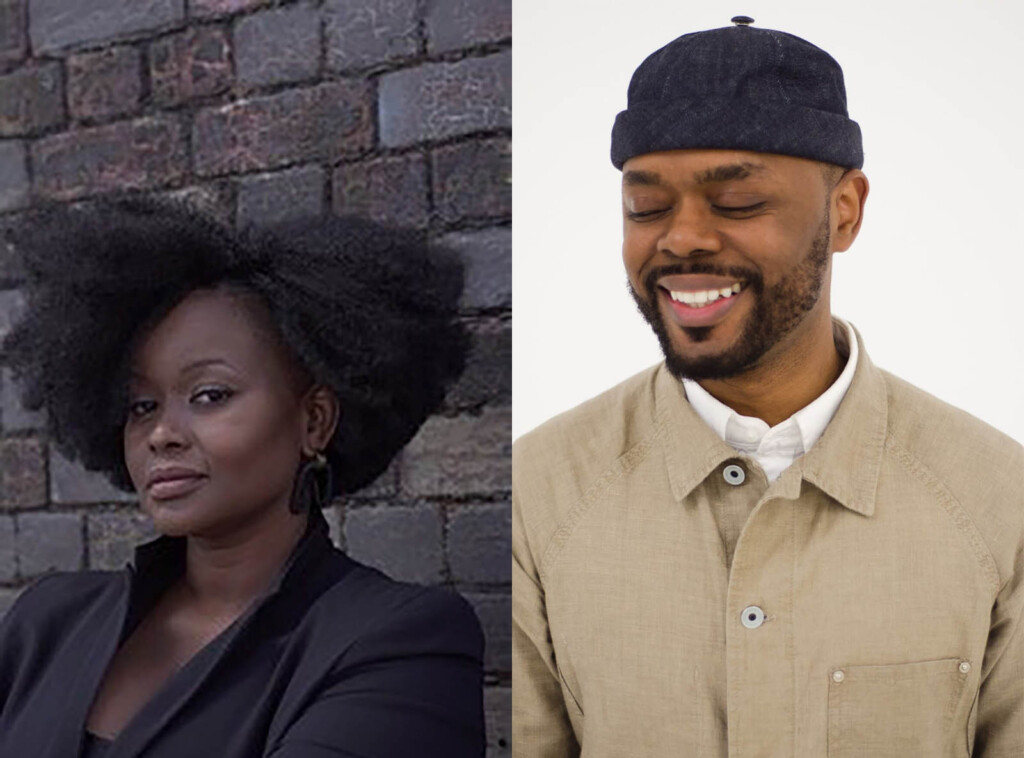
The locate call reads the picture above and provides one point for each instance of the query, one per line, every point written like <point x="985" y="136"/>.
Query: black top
<point x="335" y="660"/>
<point x="95" y="747"/>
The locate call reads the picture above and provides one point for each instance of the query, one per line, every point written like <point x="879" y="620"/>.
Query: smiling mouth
<point x="703" y="298"/>
<point x="169" y="489"/>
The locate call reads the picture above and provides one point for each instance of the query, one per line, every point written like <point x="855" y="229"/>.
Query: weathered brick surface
<point x="455" y="24"/>
<point x="473" y="180"/>
<point x="498" y="714"/>
<point x="104" y="83"/>
<point x="465" y="455"/>
<point x="387" y="189"/>
<point x="8" y="550"/>
<point x="370" y="31"/>
<point x="479" y="540"/>
<point x="70" y="483"/>
<point x="22" y="473"/>
<point x="31" y="99"/>
<point x="402" y="541"/>
<point x="114" y="535"/>
<point x="487" y="255"/>
<point x="193" y="63"/>
<point x="207" y="8"/>
<point x="56" y="24"/>
<point x="215" y="199"/>
<point x="145" y="153"/>
<point x="495" y="612"/>
<point x="272" y="198"/>
<point x="49" y="542"/>
<point x="314" y="123"/>
<point x="12" y="31"/>
<point x="14" y="179"/>
<point x="335" y="517"/>
<point x="439" y="100"/>
<point x="12" y="304"/>
<point x="13" y="416"/>
<point x="278" y="45"/>
<point x="486" y="379"/>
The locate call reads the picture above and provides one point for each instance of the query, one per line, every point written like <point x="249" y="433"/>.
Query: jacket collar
<point x="844" y="463"/>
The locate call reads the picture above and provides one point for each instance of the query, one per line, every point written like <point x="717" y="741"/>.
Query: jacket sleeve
<point x="540" y="722"/>
<point x="413" y="685"/>
<point x="999" y="722"/>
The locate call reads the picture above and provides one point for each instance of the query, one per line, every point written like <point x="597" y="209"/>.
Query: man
<point x="765" y="545"/>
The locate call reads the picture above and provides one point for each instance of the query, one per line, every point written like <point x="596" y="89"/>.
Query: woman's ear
<point x="321" y="412"/>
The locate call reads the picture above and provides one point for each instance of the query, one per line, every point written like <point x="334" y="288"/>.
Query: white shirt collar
<point x="776" y="447"/>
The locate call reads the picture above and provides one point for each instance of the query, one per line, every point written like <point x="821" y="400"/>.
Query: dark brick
<point x="370" y="31"/>
<point x="14" y="181"/>
<point x="56" y="24"/>
<point x="487" y="379"/>
<point x="495" y="614"/>
<point x="473" y="180"/>
<point x="141" y="154"/>
<point x="391" y="190"/>
<point x="207" y="8"/>
<point x="31" y="99"/>
<point x="498" y="715"/>
<point x="114" y="535"/>
<point x="385" y="485"/>
<point x="193" y="63"/>
<point x="300" y="125"/>
<point x="12" y="305"/>
<point x="454" y="24"/>
<point x="49" y="542"/>
<point x="487" y="255"/>
<point x="70" y="483"/>
<point x="272" y="198"/>
<point x="466" y="455"/>
<point x="8" y="551"/>
<point x="479" y="543"/>
<point x="278" y="45"/>
<point x="402" y="541"/>
<point x="13" y="416"/>
<point x="215" y="199"/>
<point x="438" y="100"/>
<point x="105" y="83"/>
<point x="12" y="31"/>
<point x="22" y="473"/>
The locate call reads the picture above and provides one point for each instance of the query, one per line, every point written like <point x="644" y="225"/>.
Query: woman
<point x="236" y="383"/>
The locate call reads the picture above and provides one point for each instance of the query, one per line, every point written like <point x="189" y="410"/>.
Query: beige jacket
<point x="867" y="603"/>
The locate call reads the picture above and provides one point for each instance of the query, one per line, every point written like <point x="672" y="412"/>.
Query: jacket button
<point x="838" y="676"/>
<point x="734" y="474"/>
<point x="965" y="667"/>
<point x="752" y="617"/>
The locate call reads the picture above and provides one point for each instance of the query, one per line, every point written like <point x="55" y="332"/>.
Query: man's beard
<point x="776" y="312"/>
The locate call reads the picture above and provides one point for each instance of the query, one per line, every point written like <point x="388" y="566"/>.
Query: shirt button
<point x="838" y="676"/>
<point x="734" y="474"/>
<point x="965" y="667"/>
<point x="752" y="617"/>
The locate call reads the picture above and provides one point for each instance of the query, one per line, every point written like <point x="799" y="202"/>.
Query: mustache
<point x="751" y="277"/>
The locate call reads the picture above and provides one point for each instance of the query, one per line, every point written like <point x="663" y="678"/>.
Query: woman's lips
<point x="168" y="489"/>
<point x="707" y="314"/>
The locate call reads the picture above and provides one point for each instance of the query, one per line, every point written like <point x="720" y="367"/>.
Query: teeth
<point x="699" y="299"/>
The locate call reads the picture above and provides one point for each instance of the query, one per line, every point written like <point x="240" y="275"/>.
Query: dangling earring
<point x="313" y="485"/>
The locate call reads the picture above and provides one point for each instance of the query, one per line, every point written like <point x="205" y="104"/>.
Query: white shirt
<point x="775" y="448"/>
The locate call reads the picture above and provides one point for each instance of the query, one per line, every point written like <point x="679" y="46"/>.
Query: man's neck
<point x="782" y="384"/>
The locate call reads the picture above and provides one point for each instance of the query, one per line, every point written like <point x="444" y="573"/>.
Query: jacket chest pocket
<point x="901" y="710"/>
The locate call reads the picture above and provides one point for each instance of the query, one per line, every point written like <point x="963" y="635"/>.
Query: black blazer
<point x="335" y="660"/>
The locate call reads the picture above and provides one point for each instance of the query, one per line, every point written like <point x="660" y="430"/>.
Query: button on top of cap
<point x="742" y="20"/>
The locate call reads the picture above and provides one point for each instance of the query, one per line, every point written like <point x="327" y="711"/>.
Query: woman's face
<point x="215" y="426"/>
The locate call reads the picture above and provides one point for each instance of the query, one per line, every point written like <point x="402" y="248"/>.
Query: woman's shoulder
<point x="60" y="595"/>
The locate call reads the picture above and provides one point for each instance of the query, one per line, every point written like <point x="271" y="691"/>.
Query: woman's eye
<point x="139" y="408"/>
<point x="211" y="395"/>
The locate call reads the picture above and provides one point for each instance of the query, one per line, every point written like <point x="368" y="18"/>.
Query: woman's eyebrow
<point x="194" y="366"/>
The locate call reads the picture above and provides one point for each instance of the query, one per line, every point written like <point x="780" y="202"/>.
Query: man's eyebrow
<point x="729" y="172"/>
<point x="641" y="178"/>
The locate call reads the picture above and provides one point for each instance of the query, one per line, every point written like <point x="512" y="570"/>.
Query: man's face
<point x="727" y="252"/>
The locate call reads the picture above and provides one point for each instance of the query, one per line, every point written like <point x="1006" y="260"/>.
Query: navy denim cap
<point x="739" y="88"/>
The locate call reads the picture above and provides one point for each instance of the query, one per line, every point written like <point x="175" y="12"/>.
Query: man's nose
<point x="691" y="231"/>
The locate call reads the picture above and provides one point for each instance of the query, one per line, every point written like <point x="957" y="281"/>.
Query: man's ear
<point x="847" y="208"/>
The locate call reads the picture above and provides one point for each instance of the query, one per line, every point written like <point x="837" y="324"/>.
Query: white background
<point x="933" y="283"/>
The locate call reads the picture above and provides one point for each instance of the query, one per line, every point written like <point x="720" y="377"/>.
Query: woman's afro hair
<point x="367" y="310"/>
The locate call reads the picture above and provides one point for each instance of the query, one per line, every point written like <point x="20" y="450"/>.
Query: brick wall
<point x="396" y="109"/>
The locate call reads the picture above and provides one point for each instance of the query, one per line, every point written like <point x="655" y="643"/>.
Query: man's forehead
<point x="652" y="171"/>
